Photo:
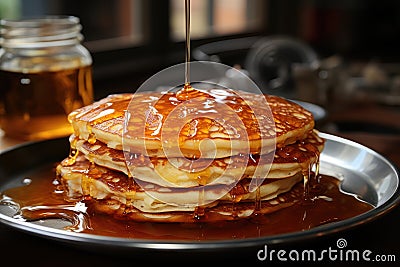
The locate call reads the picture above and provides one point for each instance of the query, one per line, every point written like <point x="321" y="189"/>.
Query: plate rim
<point x="187" y="245"/>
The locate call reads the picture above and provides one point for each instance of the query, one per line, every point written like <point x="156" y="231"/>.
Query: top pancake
<point x="211" y="124"/>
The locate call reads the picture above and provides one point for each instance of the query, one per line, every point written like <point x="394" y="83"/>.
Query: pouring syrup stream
<point x="184" y="93"/>
<point x="187" y="45"/>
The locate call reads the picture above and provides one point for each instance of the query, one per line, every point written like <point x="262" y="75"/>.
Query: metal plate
<point x="364" y="172"/>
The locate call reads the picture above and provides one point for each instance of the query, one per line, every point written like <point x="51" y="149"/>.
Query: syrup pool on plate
<point x="42" y="198"/>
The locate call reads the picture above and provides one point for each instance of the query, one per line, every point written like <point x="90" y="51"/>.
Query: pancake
<point x="193" y="155"/>
<point x="179" y="172"/>
<point x="113" y="192"/>
<point x="211" y="124"/>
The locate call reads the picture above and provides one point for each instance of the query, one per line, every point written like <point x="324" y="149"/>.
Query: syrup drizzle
<point x="187" y="33"/>
<point x="187" y="91"/>
<point x="73" y="152"/>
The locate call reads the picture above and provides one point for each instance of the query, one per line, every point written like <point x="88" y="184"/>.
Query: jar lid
<point x="37" y="32"/>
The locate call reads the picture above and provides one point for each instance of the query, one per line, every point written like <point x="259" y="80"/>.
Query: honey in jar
<point x="45" y="73"/>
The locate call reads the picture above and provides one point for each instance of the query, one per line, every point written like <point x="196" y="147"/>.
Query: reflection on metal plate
<point x="365" y="173"/>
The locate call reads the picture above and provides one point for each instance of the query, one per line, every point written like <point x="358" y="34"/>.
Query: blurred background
<point x="338" y="58"/>
<point x="132" y="39"/>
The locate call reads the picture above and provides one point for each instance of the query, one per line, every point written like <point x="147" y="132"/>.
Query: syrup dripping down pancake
<point x="115" y="193"/>
<point x="207" y="149"/>
<point x="241" y="123"/>
<point x="287" y="161"/>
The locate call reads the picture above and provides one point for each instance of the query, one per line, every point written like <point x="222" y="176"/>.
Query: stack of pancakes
<point x="193" y="155"/>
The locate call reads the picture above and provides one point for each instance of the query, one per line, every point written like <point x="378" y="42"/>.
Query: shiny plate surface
<point x="364" y="172"/>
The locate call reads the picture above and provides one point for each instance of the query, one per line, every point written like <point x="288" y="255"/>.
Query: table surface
<point x="379" y="236"/>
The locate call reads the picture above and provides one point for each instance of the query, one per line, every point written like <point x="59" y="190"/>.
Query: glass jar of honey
<point x="45" y="73"/>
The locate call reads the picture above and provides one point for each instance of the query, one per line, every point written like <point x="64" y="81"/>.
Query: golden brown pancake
<point x="113" y="192"/>
<point x="179" y="172"/>
<point x="211" y="124"/>
<point x="194" y="155"/>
